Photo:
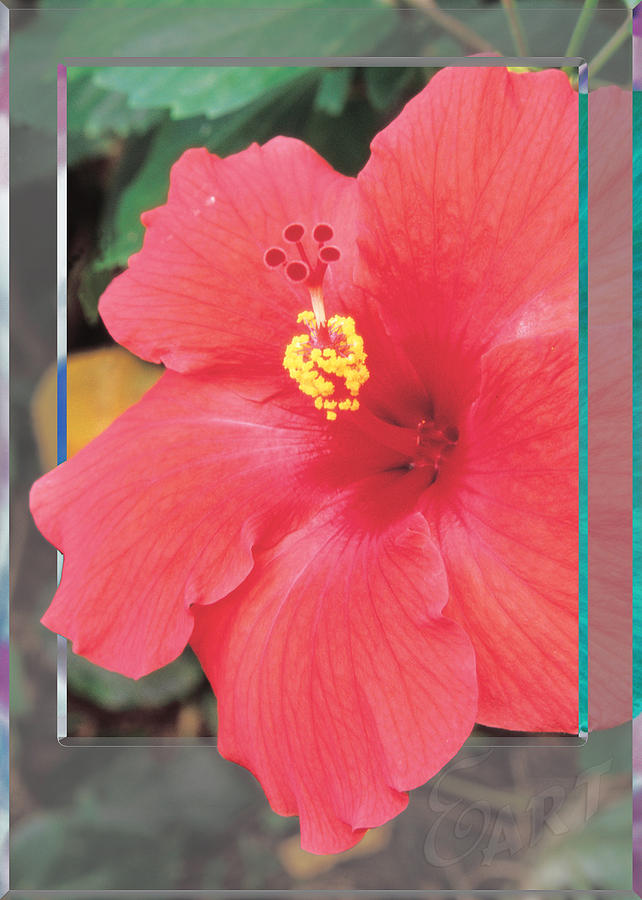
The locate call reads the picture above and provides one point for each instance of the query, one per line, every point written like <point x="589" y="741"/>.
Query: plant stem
<point x="581" y="27"/>
<point x="453" y="26"/>
<point x="516" y="27"/>
<point x="614" y="43"/>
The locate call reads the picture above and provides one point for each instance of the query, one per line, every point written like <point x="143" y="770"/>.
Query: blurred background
<point x="497" y="816"/>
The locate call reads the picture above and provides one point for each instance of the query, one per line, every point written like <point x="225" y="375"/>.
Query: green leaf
<point x="80" y="148"/>
<point x="93" y="283"/>
<point x="344" y="141"/>
<point x="212" y="91"/>
<point x="114" y="692"/>
<point x="386" y="84"/>
<point x="217" y="90"/>
<point x="95" y="113"/>
<point x="334" y="88"/>
<point x="121" y="100"/>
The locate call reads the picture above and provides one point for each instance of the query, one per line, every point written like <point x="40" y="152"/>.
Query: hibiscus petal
<point x="340" y="685"/>
<point x="199" y="294"/>
<point x="468" y="218"/>
<point x="507" y="525"/>
<point x="166" y="509"/>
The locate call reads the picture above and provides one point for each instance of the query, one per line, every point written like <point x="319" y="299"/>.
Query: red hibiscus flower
<point x="354" y="491"/>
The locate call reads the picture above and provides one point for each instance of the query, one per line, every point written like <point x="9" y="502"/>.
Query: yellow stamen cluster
<point x="332" y="374"/>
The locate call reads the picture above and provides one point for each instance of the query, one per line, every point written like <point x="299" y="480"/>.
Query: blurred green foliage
<point x="612" y="746"/>
<point x="591" y="856"/>
<point x="196" y="788"/>
<point x="114" y="692"/>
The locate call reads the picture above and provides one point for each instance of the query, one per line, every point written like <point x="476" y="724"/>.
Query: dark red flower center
<point x="328" y="363"/>
<point x="435" y="441"/>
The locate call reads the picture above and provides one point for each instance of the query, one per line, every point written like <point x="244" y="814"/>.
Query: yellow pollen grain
<point x="318" y="371"/>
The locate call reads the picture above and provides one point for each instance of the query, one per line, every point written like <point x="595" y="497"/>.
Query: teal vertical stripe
<point x="583" y="399"/>
<point x="637" y="373"/>
<point x="637" y="376"/>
